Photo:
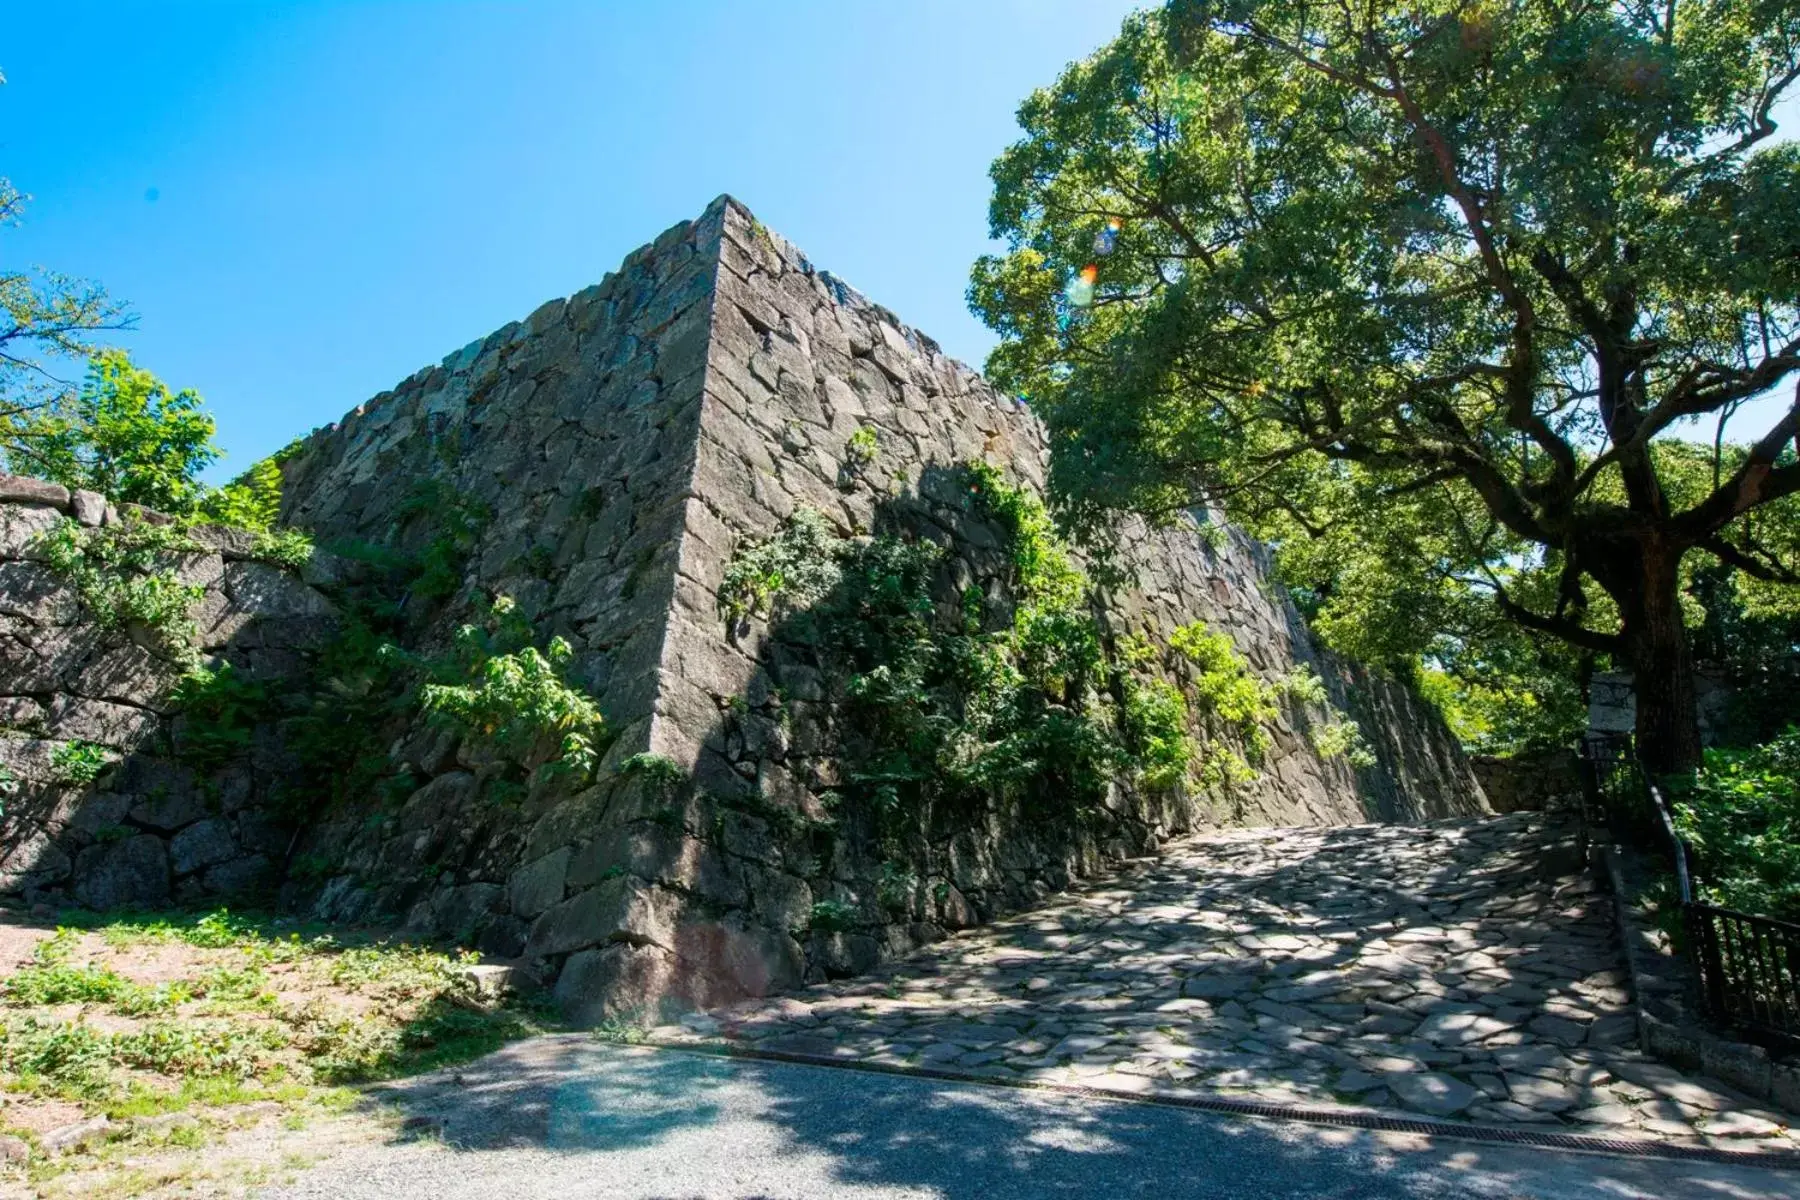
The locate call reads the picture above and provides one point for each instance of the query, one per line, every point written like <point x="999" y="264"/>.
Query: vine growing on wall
<point x="949" y="705"/>
<point x="125" y="579"/>
<point x="1024" y="698"/>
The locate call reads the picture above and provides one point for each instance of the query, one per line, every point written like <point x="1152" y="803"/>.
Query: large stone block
<point x="23" y="489"/>
<point x="132" y="872"/>
<point x="617" y="981"/>
<point x="538" y="885"/>
<point x="619" y="909"/>
<point x="202" y="844"/>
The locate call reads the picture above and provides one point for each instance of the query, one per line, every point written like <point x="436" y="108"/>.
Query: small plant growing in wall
<point x="1229" y="692"/>
<point x="1156" y="729"/>
<point x="287" y="548"/>
<point x="831" y="916"/>
<point x="1343" y="738"/>
<point x="457" y="523"/>
<point x="220" y="708"/>
<point x="517" y="699"/>
<point x="122" y="576"/>
<point x="864" y="446"/>
<point x="895" y="889"/>
<point x="797" y="564"/>
<point x="79" y="763"/>
<point x="1339" y="736"/>
<point x="659" y="772"/>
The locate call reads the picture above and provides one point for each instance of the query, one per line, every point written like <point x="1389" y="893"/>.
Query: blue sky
<point x="306" y="203"/>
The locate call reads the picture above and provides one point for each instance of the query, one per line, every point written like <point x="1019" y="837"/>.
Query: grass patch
<point x="142" y="1014"/>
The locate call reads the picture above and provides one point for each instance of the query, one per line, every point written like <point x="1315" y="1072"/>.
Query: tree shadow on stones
<point x="814" y="831"/>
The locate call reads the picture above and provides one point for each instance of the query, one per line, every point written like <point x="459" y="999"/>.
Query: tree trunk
<point x="1662" y="664"/>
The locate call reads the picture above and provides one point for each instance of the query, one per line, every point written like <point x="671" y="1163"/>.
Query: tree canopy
<point x="49" y="323"/>
<point x="1424" y="292"/>
<point x="126" y="435"/>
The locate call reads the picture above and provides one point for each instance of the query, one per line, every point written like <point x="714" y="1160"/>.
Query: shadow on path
<point x="568" y="1116"/>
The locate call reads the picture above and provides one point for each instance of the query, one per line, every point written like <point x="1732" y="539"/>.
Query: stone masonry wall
<point x="621" y="445"/>
<point x="149" y="830"/>
<point x="570" y="437"/>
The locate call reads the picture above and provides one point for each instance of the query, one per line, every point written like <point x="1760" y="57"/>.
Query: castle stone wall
<point x="623" y="444"/>
<point x="149" y="829"/>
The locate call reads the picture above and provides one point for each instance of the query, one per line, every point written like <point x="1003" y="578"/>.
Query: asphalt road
<point x="570" y="1117"/>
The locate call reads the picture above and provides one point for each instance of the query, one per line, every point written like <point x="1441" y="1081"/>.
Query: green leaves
<point x="126" y="575"/>
<point x="1741" y="813"/>
<point x="252" y="501"/>
<point x="1227" y="689"/>
<point x="1416" y="292"/>
<point x="798" y="564"/>
<point x="517" y="701"/>
<point x="79" y="763"/>
<point x="128" y="437"/>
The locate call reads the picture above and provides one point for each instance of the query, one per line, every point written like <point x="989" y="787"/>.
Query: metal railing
<point x="1748" y="965"/>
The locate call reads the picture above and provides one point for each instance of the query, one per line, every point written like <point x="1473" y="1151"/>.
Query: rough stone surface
<point x="622" y="444"/>
<point x="126" y="873"/>
<point x="1328" y="935"/>
<point x="1537" y="780"/>
<point x="64" y="678"/>
<point x="71" y="1137"/>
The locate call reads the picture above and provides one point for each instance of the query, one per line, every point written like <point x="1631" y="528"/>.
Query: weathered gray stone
<point x="168" y="806"/>
<point x="32" y="861"/>
<point x="616" y="981"/>
<point x="269" y="592"/>
<point x="1458" y="1028"/>
<point x="22" y="525"/>
<point x="32" y="592"/>
<point x="614" y="910"/>
<point x="239" y="876"/>
<point x="118" y="725"/>
<point x="1429" y="1092"/>
<point x="1221" y="985"/>
<point x="66" y="1138"/>
<point x="537" y="885"/>
<point x="24" y="490"/>
<point x="88" y="507"/>
<point x="130" y="872"/>
<point x="1540" y="1093"/>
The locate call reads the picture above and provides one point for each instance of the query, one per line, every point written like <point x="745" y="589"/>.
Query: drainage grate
<point x="1786" y="1160"/>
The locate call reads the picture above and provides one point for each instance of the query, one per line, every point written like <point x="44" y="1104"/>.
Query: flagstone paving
<point x="1462" y="970"/>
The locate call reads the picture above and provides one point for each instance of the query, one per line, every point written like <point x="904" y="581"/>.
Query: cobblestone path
<point x="1462" y="970"/>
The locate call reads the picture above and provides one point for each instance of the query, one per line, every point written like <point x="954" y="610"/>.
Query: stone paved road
<point x="1462" y="970"/>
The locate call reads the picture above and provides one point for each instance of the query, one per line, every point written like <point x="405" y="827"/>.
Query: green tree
<point x="48" y="323"/>
<point x="1442" y="277"/>
<point x="126" y="435"/>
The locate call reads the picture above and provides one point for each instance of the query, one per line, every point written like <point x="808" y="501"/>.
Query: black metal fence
<point x="1748" y="965"/>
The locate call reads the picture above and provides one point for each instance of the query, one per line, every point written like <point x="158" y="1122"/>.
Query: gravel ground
<point x="568" y="1116"/>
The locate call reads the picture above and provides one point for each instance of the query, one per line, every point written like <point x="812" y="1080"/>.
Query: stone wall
<point x="1612" y="704"/>
<point x="568" y="440"/>
<point x="149" y="830"/>
<point x="1536" y="780"/>
<point x="619" y="447"/>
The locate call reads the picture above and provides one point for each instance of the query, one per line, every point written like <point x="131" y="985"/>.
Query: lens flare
<point x="1080" y="292"/>
<point x="1107" y="238"/>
